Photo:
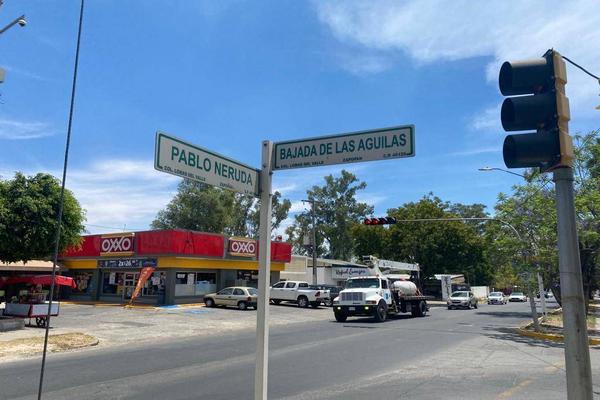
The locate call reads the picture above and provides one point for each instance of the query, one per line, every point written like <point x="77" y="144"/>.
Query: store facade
<point x="187" y="264"/>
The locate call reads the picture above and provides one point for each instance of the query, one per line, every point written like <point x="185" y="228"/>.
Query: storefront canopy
<point x="45" y="280"/>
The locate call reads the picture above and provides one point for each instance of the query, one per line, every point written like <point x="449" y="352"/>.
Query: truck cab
<point x="368" y="295"/>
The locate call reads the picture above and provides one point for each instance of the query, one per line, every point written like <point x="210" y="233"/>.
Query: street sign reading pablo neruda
<point x="186" y="160"/>
<point x="377" y="144"/>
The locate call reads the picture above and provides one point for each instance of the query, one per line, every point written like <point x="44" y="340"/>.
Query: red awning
<point x="40" y="280"/>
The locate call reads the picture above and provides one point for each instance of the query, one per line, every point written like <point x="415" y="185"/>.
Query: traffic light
<point x="544" y="109"/>
<point x="380" y="221"/>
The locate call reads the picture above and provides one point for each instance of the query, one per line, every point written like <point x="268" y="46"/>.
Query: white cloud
<point x="488" y="119"/>
<point x="117" y="193"/>
<point x="371" y="198"/>
<point x="472" y="152"/>
<point x="121" y="192"/>
<point x="434" y="30"/>
<point x="11" y="129"/>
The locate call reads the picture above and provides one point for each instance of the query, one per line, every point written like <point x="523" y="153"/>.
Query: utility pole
<point x="313" y="238"/>
<point x="577" y="352"/>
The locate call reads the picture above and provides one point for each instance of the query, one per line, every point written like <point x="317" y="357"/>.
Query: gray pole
<point x="577" y="352"/>
<point x="314" y="243"/>
<point x="261" y="373"/>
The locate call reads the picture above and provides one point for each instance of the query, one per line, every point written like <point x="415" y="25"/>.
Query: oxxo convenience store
<point x="188" y="265"/>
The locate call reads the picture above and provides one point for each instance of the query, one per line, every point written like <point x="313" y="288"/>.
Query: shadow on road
<point x="510" y="334"/>
<point x="505" y="314"/>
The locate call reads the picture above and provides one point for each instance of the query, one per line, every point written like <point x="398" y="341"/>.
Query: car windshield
<point x="459" y="294"/>
<point x="517" y="294"/>
<point x="496" y="294"/>
<point x="253" y="292"/>
<point x="362" y="283"/>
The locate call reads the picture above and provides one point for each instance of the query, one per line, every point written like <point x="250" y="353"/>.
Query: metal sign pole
<point x="261" y="373"/>
<point x="577" y="351"/>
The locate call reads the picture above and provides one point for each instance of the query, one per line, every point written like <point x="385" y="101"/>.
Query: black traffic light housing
<point x="380" y="221"/>
<point x="545" y="109"/>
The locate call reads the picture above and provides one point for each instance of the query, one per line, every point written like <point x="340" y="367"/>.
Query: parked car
<point x="496" y="298"/>
<point x="239" y="296"/>
<point x="298" y="292"/>
<point x="334" y="292"/>
<point x="462" y="299"/>
<point x="517" y="296"/>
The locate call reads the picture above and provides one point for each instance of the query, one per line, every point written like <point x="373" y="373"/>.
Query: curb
<point x="128" y="306"/>
<point x="551" y="336"/>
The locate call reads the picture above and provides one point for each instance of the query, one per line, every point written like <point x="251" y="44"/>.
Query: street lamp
<point x="539" y="277"/>
<point x="20" y="20"/>
<point x="487" y="169"/>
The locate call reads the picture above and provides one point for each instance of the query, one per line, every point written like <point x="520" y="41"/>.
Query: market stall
<point x="32" y="303"/>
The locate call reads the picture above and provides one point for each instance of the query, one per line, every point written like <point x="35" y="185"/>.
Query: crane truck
<point x="381" y="294"/>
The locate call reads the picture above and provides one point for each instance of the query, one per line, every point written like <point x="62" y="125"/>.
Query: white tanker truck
<point x="380" y="295"/>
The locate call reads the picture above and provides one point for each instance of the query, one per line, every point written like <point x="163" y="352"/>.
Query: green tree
<point x="201" y="207"/>
<point x="437" y="246"/>
<point x="337" y="210"/>
<point x="28" y="211"/>
<point x="532" y="210"/>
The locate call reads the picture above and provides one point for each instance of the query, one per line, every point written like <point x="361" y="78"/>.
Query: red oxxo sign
<point x="119" y="244"/>
<point x="242" y="247"/>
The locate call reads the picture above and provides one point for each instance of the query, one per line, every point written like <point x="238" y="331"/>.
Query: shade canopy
<point x="40" y="280"/>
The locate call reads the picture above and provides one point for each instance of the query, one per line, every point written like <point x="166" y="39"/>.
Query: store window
<point x="195" y="283"/>
<point x="155" y="284"/>
<point x="83" y="280"/>
<point x="112" y="282"/>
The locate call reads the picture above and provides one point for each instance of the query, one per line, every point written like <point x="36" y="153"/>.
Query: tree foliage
<point x="28" y="211"/>
<point x="531" y="209"/>
<point x="201" y="207"/>
<point x="437" y="246"/>
<point x="337" y="211"/>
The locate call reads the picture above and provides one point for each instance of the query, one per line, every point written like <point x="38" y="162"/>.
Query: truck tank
<point x="405" y="288"/>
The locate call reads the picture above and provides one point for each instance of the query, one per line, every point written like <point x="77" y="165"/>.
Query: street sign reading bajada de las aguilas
<point x="186" y="160"/>
<point x="377" y="144"/>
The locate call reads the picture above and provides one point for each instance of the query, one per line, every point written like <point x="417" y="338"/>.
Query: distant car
<point x="462" y="299"/>
<point x="496" y="298"/>
<point x="517" y="296"/>
<point x="239" y="296"/>
<point x="334" y="292"/>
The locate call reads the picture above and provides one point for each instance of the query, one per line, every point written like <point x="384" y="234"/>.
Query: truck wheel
<point x="419" y="310"/>
<point x="340" y="317"/>
<point x="302" y="302"/>
<point x="381" y="311"/>
<point x="475" y="306"/>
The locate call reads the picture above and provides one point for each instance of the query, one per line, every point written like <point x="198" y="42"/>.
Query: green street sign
<point x="371" y="145"/>
<point x="176" y="157"/>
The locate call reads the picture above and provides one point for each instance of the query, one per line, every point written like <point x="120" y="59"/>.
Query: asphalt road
<point x="459" y="354"/>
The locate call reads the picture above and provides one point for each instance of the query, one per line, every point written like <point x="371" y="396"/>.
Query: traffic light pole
<point x="577" y="352"/>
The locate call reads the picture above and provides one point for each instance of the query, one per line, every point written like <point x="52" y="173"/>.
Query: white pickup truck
<point x="298" y="292"/>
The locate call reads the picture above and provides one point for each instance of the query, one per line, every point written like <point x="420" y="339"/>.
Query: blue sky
<point x="228" y="74"/>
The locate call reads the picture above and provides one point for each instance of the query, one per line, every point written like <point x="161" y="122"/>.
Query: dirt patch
<point x="35" y="345"/>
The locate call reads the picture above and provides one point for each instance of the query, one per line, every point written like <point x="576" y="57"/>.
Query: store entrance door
<point x="129" y="281"/>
